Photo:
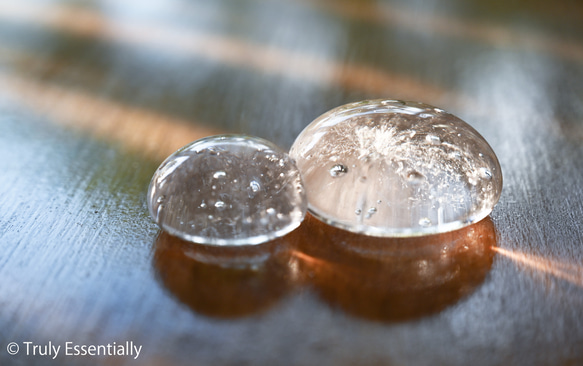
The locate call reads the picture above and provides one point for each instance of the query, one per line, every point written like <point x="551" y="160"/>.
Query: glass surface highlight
<point x="228" y="190"/>
<point x="394" y="168"/>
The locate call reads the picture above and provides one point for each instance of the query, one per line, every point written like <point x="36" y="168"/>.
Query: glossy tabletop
<point x="95" y="94"/>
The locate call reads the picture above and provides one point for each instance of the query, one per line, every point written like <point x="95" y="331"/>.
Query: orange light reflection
<point x="307" y="258"/>
<point x="566" y="271"/>
<point x="450" y="26"/>
<point x="139" y="130"/>
<point x="227" y="50"/>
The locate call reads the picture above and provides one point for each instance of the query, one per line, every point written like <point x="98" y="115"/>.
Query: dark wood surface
<point x="95" y="94"/>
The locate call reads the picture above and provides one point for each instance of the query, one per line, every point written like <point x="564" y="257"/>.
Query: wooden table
<point x="94" y="95"/>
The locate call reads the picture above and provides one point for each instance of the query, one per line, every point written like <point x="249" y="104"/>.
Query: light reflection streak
<point x="227" y="50"/>
<point x="566" y="271"/>
<point x="137" y="129"/>
<point x="307" y="258"/>
<point x="492" y="34"/>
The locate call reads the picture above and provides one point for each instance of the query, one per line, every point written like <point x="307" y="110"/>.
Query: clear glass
<point x="394" y="168"/>
<point x="228" y="190"/>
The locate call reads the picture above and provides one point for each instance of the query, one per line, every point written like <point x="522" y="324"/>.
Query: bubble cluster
<point x="228" y="190"/>
<point x="393" y="168"/>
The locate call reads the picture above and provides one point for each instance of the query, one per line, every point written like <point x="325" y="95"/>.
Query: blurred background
<point x="95" y="94"/>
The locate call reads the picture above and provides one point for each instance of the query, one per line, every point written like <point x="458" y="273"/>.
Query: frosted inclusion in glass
<point x="393" y="168"/>
<point x="228" y="190"/>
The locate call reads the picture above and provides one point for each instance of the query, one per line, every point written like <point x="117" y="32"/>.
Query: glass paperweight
<point x="228" y="190"/>
<point x="394" y="168"/>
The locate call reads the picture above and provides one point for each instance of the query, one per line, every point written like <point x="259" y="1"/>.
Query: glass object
<point x="228" y="190"/>
<point x="393" y="168"/>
